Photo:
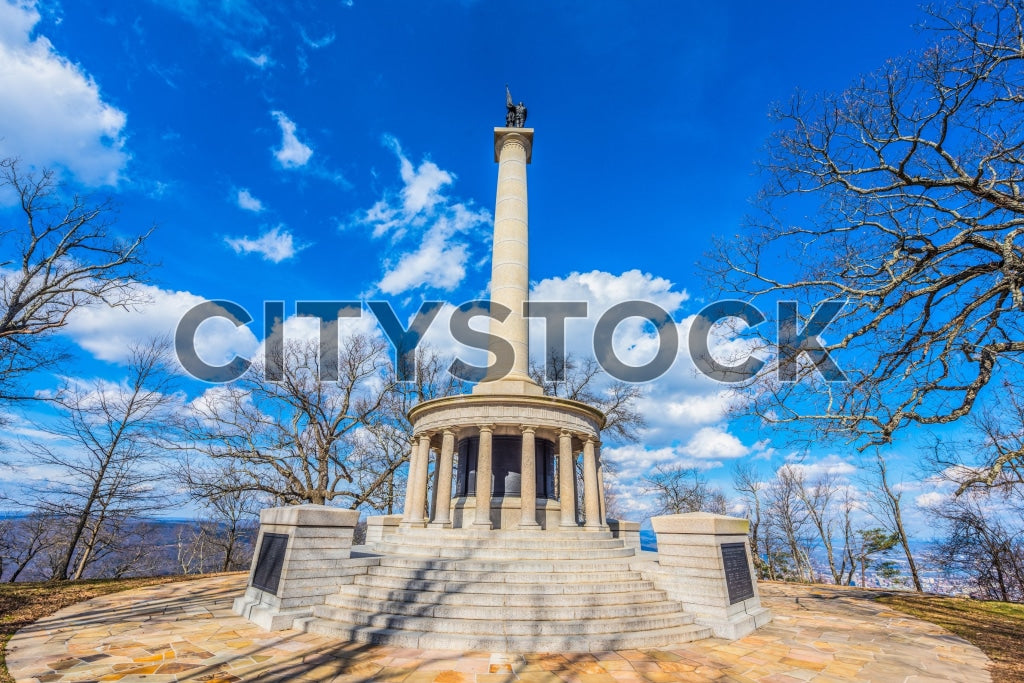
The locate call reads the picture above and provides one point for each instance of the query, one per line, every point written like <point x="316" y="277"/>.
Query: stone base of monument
<point x="704" y="563"/>
<point x="501" y="590"/>
<point x="303" y="554"/>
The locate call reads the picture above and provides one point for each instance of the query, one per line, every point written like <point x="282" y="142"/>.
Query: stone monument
<point x="491" y="551"/>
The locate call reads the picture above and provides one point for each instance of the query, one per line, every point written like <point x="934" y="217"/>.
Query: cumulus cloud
<point x="435" y="235"/>
<point x="274" y="245"/>
<point x="107" y="333"/>
<point x="247" y="202"/>
<point x="712" y="443"/>
<point x="293" y="153"/>
<point x="53" y="113"/>
<point x="832" y="464"/>
<point x="931" y="499"/>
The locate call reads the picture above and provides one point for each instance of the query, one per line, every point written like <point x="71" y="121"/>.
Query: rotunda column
<point x="566" y="480"/>
<point x="418" y="485"/>
<point x="413" y="455"/>
<point x="602" y="511"/>
<point x="591" y="494"/>
<point x="528" y="480"/>
<point x="443" y="496"/>
<point x="483" y="479"/>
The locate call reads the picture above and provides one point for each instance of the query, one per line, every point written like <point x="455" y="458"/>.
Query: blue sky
<point x="343" y="150"/>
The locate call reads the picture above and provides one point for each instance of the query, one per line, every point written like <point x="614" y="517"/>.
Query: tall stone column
<point x="483" y="479"/>
<point x="591" y="493"/>
<point x="443" y="506"/>
<point x="528" y="480"/>
<point x="603" y="511"/>
<point x="418" y="485"/>
<point x="566" y="480"/>
<point x="510" y="262"/>
<point x="413" y="455"/>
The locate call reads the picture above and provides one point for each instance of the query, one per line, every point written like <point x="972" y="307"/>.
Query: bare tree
<point x="103" y="455"/>
<point x="981" y="545"/>
<point x="752" y="493"/>
<point x="887" y="508"/>
<point x="63" y="257"/>
<point x="684" y="489"/>
<point x="915" y="171"/>
<point x="584" y="380"/>
<point x="290" y="438"/>
<point x="819" y="501"/>
<point x="230" y="516"/>
<point x="789" y="520"/>
<point x="22" y="540"/>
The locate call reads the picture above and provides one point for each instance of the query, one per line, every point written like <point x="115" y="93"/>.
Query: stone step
<point x="580" y="568"/>
<point x="652" y="638"/>
<point x="582" y="626"/>
<point x="449" y="534"/>
<point x="503" y="543"/>
<point x="498" y="577"/>
<point x="485" y="583"/>
<point x="499" y="554"/>
<point x="510" y="615"/>
<point x="485" y="595"/>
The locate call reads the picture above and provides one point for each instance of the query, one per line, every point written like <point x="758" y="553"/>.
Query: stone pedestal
<point x="704" y="563"/>
<point x="303" y="554"/>
<point x="380" y="526"/>
<point x="629" y="532"/>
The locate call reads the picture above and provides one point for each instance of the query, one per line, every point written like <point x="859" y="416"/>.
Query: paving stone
<point x="186" y="631"/>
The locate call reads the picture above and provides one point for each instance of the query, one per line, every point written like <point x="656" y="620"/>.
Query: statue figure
<point x="515" y="114"/>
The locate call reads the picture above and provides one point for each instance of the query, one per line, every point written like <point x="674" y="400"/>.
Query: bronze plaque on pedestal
<point x="737" y="572"/>
<point x="269" y="562"/>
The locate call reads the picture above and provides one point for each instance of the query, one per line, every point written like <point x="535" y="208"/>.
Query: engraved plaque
<point x="737" y="572"/>
<point x="269" y="562"/>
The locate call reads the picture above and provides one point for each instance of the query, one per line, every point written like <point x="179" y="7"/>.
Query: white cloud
<point x="293" y="152"/>
<point x="931" y="498"/>
<point x="317" y="43"/>
<point x="52" y="112"/>
<point x="712" y="442"/>
<point x="247" y="202"/>
<point x="436" y="235"/>
<point x="261" y="60"/>
<point x="274" y="245"/>
<point x="831" y="464"/>
<point x="107" y="333"/>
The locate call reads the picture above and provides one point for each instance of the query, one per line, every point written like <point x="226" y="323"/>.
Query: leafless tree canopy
<point x="59" y="255"/>
<point x="584" y="380"/>
<point x="684" y="489"/>
<point x="104" y="453"/>
<point x="902" y="197"/>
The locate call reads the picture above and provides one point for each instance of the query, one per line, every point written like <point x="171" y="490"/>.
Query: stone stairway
<point x="504" y="591"/>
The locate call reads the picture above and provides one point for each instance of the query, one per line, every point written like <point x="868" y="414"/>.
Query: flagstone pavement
<point x="187" y="632"/>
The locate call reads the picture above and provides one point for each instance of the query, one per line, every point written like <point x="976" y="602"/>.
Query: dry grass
<point x="23" y="603"/>
<point x="996" y="628"/>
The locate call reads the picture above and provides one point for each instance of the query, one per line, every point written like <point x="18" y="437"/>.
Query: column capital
<point x="485" y="427"/>
<point x="528" y="428"/>
<point x="524" y="136"/>
<point x="566" y="432"/>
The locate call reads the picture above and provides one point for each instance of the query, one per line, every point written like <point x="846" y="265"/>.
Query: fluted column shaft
<point x="566" y="480"/>
<point x="528" y="481"/>
<point x="602" y="510"/>
<point x="591" y="492"/>
<point x="413" y="456"/>
<point x="443" y="496"/>
<point x="418" y="485"/>
<point x="483" y="479"/>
